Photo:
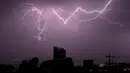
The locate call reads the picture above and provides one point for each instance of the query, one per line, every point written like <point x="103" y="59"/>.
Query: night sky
<point x="89" y="40"/>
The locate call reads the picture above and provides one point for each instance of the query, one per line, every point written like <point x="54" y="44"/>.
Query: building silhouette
<point x="63" y="64"/>
<point x="60" y="63"/>
<point x="59" y="53"/>
<point x="88" y="63"/>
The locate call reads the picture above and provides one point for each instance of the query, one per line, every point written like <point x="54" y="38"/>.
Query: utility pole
<point x="110" y="63"/>
<point x="110" y="57"/>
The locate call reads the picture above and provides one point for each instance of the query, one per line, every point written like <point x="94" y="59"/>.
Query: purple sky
<point x="89" y="40"/>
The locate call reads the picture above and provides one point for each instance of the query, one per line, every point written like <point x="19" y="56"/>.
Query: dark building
<point x="59" y="53"/>
<point x="87" y="63"/>
<point x="69" y="64"/>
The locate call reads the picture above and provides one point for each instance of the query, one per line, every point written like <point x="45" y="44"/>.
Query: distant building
<point x="87" y="63"/>
<point x="60" y="63"/>
<point x="69" y="63"/>
<point x="59" y="53"/>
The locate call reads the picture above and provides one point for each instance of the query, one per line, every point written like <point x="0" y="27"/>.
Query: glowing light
<point x="125" y="69"/>
<point x="40" y="17"/>
<point x="91" y="70"/>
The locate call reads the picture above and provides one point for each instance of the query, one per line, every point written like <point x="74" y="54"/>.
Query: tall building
<point x="88" y="63"/>
<point x="59" y="53"/>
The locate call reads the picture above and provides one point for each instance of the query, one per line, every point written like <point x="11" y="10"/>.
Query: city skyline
<point x="89" y="40"/>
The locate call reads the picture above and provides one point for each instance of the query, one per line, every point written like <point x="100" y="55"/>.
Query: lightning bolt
<point x="40" y="17"/>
